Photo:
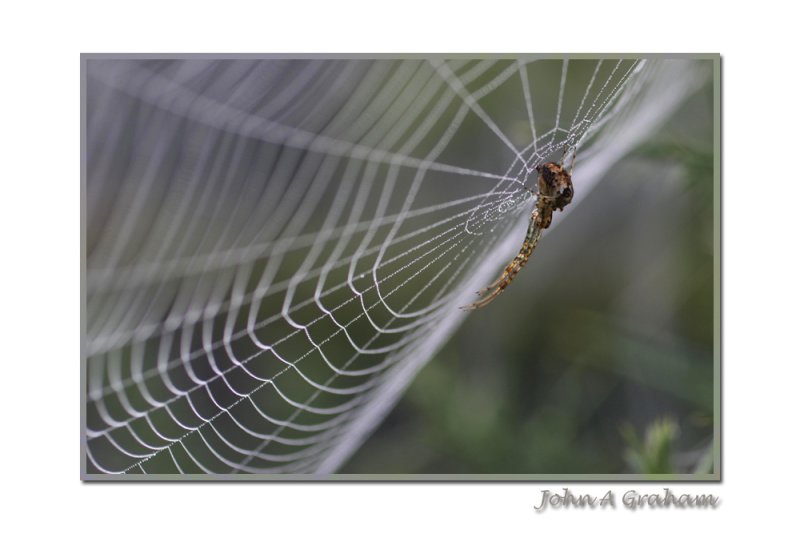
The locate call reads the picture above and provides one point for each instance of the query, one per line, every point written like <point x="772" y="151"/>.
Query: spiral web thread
<point x="275" y="247"/>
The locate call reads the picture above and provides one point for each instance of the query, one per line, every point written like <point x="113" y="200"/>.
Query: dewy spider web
<point x="276" y="247"/>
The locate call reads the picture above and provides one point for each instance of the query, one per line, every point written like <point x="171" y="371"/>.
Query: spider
<point x="555" y="192"/>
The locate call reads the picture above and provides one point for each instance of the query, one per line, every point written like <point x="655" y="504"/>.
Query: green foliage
<point x="652" y="455"/>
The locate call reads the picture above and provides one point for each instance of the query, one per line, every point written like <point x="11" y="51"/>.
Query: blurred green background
<point x="599" y="358"/>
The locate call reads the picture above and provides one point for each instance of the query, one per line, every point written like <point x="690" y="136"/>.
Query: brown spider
<point x="555" y="192"/>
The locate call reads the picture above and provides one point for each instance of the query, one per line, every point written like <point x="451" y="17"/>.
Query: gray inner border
<point x="716" y="476"/>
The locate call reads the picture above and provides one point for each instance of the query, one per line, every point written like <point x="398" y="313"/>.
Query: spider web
<point x="276" y="247"/>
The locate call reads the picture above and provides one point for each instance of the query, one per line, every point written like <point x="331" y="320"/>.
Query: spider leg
<point x="506" y="275"/>
<point x="505" y="279"/>
<point x="484" y="301"/>
<point x="574" y="155"/>
<point x="522" y="256"/>
<point x="564" y="153"/>
<point x="497" y="287"/>
<point x="519" y="261"/>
